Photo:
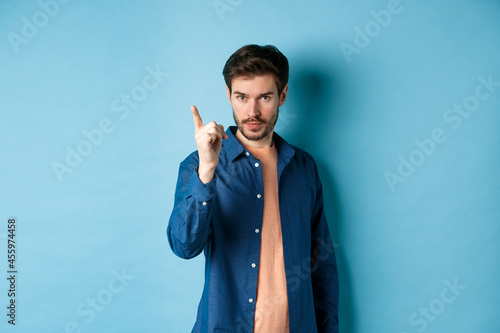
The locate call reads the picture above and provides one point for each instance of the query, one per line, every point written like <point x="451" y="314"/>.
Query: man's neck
<point x="265" y="142"/>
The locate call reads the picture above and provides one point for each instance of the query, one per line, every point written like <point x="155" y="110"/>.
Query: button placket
<point x="257" y="230"/>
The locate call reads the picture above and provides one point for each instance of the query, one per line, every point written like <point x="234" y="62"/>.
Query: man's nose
<point x="253" y="109"/>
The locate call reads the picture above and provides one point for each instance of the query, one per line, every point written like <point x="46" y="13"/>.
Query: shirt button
<point x="253" y="265"/>
<point x="259" y="196"/>
<point x="257" y="231"/>
<point x="250" y="300"/>
<point x="204" y="203"/>
<point x="247" y="153"/>
<point x="256" y="165"/>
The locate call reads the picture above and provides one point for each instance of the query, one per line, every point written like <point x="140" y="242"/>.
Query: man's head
<point x="256" y="83"/>
<point x="254" y="60"/>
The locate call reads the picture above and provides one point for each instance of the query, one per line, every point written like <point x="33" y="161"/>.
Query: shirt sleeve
<point x="189" y="225"/>
<point x="324" y="267"/>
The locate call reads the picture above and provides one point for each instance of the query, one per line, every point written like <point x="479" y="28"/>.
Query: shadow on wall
<point x="314" y="95"/>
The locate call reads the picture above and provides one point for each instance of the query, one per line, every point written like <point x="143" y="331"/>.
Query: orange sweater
<point x="271" y="307"/>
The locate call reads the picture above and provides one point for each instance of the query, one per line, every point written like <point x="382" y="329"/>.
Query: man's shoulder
<point x="304" y="159"/>
<point x="300" y="155"/>
<point x="301" y="152"/>
<point x="191" y="160"/>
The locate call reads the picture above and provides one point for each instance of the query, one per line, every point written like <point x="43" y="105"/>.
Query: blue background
<point x="361" y="113"/>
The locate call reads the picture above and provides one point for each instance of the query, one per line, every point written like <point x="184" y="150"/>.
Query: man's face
<point x="255" y="103"/>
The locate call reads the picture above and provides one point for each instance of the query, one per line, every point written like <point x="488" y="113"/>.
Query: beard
<point x="256" y="135"/>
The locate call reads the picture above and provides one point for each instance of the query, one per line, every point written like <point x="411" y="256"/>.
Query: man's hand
<point x="209" y="141"/>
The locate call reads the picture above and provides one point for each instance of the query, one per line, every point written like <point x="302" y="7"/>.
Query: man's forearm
<point x="206" y="174"/>
<point x="189" y="225"/>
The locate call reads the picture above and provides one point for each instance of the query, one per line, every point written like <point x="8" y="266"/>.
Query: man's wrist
<point x="206" y="174"/>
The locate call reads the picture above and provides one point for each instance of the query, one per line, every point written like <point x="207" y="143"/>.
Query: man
<point x="254" y="205"/>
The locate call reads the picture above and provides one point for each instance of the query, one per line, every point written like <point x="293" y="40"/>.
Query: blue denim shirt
<point x="223" y="218"/>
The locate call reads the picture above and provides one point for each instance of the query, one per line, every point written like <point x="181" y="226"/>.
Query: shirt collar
<point x="234" y="148"/>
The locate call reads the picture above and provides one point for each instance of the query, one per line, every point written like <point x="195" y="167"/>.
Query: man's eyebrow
<point x="236" y="92"/>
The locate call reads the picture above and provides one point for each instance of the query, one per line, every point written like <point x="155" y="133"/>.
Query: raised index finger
<point x="198" y="123"/>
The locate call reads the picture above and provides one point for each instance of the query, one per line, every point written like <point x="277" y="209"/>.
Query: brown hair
<point x="252" y="60"/>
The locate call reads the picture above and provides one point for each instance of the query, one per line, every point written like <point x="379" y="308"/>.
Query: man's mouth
<point x="253" y="125"/>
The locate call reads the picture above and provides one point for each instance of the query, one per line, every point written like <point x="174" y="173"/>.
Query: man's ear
<point x="228" y="94"/>
<point x="283" y="95"/>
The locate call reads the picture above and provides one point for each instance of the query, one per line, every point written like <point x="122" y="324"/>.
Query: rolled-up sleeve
<point x="189" y="224"/>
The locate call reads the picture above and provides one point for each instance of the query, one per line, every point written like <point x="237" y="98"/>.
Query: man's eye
<point x="241" y="97"/>
<point x="265" y="98"/>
